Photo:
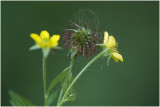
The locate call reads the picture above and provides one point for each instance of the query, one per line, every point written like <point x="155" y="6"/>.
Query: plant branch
<point x="80" y="73"/>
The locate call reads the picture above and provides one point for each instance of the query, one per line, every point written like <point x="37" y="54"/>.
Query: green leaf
<point x="52" y="97"/>
<point x="65" y="84"/>
<point x="34" y="47"/>
<point x="17" y="100"/>
<point x="58" y="79"/>
<point x="66" y="81"/>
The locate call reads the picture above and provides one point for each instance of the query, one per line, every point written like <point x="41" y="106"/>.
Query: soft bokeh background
<point x="135" y="27"/>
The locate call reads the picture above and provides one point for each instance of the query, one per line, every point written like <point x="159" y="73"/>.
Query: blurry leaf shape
<point x="52" y="97"/>
<point x="66" y="81"/>
<point x="17" y="100"/>
<point x="65" y="84"/>
<point x="58" y="79"/>
<point x="34" y="47"/>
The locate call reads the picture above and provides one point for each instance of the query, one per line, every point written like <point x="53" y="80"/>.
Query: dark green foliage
<point x="52" y="97"/>
<point x="58" y="79"/>
<point x="17" y="100"/>
<point x="65" y="84"/>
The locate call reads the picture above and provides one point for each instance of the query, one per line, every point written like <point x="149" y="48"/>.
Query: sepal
<point x="45" y="52"/>
<point x="34" y="47"/>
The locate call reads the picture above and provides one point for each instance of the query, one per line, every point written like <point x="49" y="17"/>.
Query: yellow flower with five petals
<point x="45" y="42"/>
<point x="110" y="43"/>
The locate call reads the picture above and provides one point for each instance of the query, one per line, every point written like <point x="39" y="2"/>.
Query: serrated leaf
<point x="52" y="97"/>
<point x="65" y="84"/>
<point x="17" y="100"/>
<point x="67" y="81"/>
<point x="58" y="79"/>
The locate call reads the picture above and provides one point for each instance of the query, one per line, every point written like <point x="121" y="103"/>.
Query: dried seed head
<point x="81" y="38"/>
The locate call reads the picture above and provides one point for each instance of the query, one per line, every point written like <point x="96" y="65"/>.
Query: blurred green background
<point x="135" y="26"/>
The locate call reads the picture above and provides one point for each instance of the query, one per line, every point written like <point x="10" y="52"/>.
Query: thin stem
<point x="44" y="80"/>
<point x="73" y="60"/>
<point x="60" y="96"/>
<point x="80" y="73"/>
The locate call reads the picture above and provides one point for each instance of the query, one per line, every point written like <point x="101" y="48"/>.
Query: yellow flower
<point x="44" y="40"/>
<point x="110" y="43"/>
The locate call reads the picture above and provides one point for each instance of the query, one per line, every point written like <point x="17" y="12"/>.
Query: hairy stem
<point x="44" y="80"/>
<point x="80" y="73"/>
<point x="72" y="61"/>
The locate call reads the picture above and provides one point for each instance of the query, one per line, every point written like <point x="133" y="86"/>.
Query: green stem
<point x="60" y="97"/>
<point x="72" y="61"/>
<point x="81" y="72"/>
<point x="44" y="80"/>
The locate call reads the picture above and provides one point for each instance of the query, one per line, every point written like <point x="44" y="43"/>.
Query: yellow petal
<point x="117" y="56"/>
<point x="114" y="49"/>
<point x="41" y="44"/>
<point x="115" y="59"/>
<point x="44" y="35"/>
<point x="54" y="44"/>
<point x="106" y="35"/>
<point x="35" y="37"/>
<point x="111" y="42"/>
<point x="55" y="38"/>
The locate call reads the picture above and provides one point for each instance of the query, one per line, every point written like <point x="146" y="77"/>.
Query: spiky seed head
<point x="81" y="38"/>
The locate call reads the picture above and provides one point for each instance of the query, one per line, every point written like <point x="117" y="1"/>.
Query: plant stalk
<point x="73" y="61"/>
<point x="60" y="97"/>
<point x="44" y="80"/>
<point x="80" y="73"/>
